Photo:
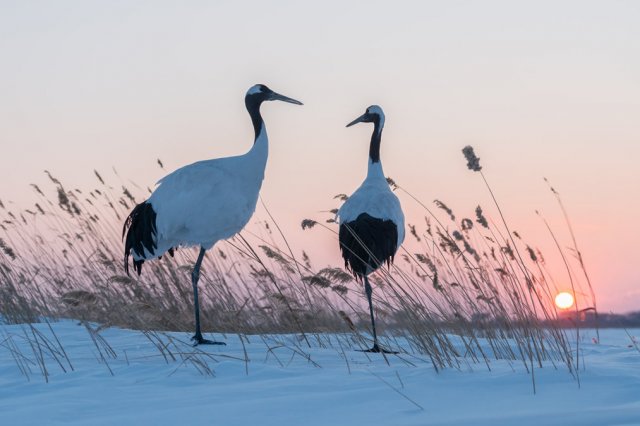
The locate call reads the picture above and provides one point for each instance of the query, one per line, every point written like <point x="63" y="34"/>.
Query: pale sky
<point x="538" y="88"/>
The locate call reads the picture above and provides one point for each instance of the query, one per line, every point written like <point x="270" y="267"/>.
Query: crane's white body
<point x="375" y="198"/>
<point x="208" y="201"/>
<point x="371" y="220"/>
<point x="202" y="203"/>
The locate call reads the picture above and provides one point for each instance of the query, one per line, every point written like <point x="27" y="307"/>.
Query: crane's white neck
<point x="374" y="171"/>
<point x="260" y="146"/>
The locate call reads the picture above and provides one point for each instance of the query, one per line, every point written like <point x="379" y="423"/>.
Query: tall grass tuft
<point x="462" y="293"/>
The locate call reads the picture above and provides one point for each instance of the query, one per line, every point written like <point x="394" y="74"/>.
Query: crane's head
<point x="373" y="114"/>
<point x="260" y="93"/>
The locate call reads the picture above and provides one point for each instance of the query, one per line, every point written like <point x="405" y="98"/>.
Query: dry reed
<point x="464" y="295"/>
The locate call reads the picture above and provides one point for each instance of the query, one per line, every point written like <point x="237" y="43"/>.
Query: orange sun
<point x="564" y="300"/>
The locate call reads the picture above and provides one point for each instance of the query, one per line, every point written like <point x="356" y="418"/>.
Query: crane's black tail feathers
<point x="366" y="243"/>
<point x="140" y="229"/>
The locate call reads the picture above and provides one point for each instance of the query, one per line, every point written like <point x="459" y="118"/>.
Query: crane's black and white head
<point x="255" y="96"/>
<point x="260" y="93"/>
<point x="373" y="114"/>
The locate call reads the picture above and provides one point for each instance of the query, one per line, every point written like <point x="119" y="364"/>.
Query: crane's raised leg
<point x="376" y="348"/>
<point x="195" y="275"/>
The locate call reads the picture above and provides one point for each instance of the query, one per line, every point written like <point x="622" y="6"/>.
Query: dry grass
<point x="466" y="280"/>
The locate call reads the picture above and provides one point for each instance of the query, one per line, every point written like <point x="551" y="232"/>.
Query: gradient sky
<point x="538" y="88"/>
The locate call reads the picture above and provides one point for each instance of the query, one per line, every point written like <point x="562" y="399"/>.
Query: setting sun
<point x="564" y="300"/>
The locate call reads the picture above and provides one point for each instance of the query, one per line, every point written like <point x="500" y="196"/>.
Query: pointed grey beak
<point x="357" y="120"/>
<point x="278" y="97"/>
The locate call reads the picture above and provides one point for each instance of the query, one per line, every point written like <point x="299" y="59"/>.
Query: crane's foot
<point x="199" y="340"/>
<point x="378" y="350"/>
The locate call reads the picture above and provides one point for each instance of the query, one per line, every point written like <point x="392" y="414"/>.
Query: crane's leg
<point x="195" y="276"/>
<point x="376" y="348"/>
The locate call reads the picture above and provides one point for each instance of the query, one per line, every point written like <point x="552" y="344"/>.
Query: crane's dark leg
<point x="195" y="276"/>
<point x="376" y="348"/>
<point x="369" y="292"/>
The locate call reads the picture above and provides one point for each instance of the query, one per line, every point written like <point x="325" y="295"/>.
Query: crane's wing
<point x="189" y="185"/>
<point x="377" y="201"/>
<point x="205" y="201"/>
<point x="192" y="173"/>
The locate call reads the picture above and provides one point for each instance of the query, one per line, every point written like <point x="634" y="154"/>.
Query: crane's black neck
<point x="376" y="137"/>
<point x="253" y="106"/>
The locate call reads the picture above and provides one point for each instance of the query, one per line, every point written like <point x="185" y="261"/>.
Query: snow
<point x="320" y="385"/>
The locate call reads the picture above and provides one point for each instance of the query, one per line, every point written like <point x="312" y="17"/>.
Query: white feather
<point x="375" y="198"/>
<point x="209" y="200"/>
<point x="254" y="89"/>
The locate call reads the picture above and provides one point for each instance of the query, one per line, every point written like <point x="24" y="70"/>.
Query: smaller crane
<point x="371" y="220"/>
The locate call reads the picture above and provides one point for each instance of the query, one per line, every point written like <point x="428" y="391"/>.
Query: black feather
<point x="367" y="242"/>
<point x="140" y="229"/>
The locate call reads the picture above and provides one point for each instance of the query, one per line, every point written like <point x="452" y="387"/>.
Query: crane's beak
<point x="358" y="120"/>
<point x="278" y="97"/>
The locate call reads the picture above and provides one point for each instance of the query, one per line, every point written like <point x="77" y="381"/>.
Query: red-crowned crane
<point x="371" y="220"/>
<point x="202" y="203"/>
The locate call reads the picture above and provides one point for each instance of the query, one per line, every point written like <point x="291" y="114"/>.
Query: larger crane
<point x="202" y="203"/>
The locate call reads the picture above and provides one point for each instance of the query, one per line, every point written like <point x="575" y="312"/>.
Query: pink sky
<point x="538" y="88"/>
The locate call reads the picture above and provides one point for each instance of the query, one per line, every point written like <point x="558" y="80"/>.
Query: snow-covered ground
<point x="317" y="386"/>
